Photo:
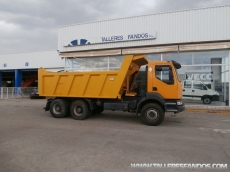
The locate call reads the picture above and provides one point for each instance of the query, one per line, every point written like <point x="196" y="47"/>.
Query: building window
<point x="94" y="63"/>
<point x="207" y="68"/>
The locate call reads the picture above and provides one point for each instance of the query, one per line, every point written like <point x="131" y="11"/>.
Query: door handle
<point x="193" y="90"/>
<point x="154" y="88"/>
<point x="183" y="90"/>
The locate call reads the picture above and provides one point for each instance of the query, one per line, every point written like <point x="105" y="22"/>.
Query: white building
<point x="18" y="67"/>
<point x="199" y="39"/>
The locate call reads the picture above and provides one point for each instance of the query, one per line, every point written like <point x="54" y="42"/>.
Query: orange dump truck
<point x="82" y="93"/>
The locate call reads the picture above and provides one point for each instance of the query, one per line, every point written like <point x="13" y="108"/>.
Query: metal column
<point x="18" y="78"/>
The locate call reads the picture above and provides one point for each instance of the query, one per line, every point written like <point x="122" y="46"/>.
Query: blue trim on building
<point x="18" y="78"/>
<point x="29" y="70"/>
<point x="23" y="70"/>
<point x="17" y="75"/>
<point x="12" y="70"/>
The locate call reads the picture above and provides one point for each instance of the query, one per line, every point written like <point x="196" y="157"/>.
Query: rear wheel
<point x="59" y="108"/>
<point x="152" y="114"/>
<point x="80" y="110"/>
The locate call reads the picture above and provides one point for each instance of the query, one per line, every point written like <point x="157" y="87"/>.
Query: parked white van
<point x="197" y="90"/>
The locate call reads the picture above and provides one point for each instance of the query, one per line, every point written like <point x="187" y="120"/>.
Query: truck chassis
<point x="150" y="106"/>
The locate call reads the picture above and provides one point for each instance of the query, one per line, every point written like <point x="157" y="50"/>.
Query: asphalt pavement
<point x="32" y="140"/>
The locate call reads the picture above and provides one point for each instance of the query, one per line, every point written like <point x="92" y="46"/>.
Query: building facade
<point x="199" y="39"/>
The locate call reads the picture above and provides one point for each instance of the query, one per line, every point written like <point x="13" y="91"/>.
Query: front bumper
<point x="180" y="108"/>
<point x="172" y="106"/>
<point x="215" y="98"/>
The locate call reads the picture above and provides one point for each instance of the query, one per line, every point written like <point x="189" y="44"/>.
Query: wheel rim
<point x="78" y="110"/>
<point x="206" y="100"/>
<point x="57" y="108"/>
<point x="152" y="115"/>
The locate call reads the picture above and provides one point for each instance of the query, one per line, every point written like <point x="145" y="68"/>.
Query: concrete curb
<point x="207" y="107"/>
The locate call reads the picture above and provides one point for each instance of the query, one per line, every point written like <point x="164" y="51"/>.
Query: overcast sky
<point x="31" y="25"/>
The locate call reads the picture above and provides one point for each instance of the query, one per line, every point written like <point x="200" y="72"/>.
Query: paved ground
<point x="32" y="140"/>
<point x="199" y="102"/>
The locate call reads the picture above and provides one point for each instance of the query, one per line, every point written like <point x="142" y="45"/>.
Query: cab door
<point x="163" y="80"/>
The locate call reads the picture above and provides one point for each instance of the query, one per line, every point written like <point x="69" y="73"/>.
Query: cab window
<point x="165" y="74"/>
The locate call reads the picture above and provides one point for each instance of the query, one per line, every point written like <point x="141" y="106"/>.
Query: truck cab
<point x="163" y="84"/>
<point x="162" y="79"/>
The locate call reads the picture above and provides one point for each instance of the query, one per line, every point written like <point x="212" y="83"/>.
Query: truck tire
<point x="207" y="100"/>
<point x="152" y="114"/>
<point x="80" y="110"/>
<point x="59" y="108"/>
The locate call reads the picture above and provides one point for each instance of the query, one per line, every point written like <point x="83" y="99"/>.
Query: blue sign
<point x="113" y="38"/>
<point x="81" y="42"/>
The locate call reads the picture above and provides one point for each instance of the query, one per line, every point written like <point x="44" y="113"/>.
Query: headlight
<point x="179" y="103"/>
<point x="216" y="93"/>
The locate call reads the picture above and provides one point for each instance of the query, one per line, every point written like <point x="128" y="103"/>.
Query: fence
<point x="15" y="92"/>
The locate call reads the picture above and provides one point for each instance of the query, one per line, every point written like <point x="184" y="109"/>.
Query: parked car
<point x="197" y="90"/>
<point x="35" y="95"/>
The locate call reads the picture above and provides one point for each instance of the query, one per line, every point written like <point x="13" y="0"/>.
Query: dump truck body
<point x="82" y="93"/>
<point x="91" y="84"/>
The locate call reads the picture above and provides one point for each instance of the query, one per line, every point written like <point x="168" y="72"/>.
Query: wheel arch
<point x="70" y="100"/>
<point x="88" y="102"/>
<point x="206" y="95"/>
<point x="140" y="106"/>
<point x="151" y="98"/>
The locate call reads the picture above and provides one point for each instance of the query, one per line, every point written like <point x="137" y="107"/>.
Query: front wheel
<point x="152" y="114"/>
<point x="207" y="100"/>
